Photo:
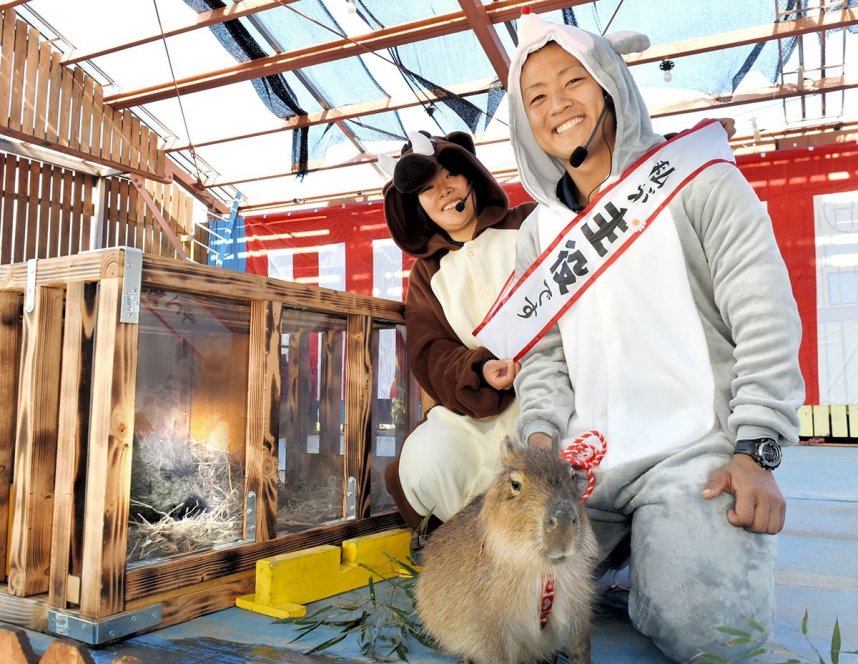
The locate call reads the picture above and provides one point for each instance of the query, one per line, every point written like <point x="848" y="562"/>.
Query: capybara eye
<point x="515" y="485"/>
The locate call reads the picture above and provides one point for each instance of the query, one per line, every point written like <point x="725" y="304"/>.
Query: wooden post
<point x="108" y="481"/>
<point x="358" y="408"/>
<point x="330" y="391"/>
<point x="263" y="404"/>
<point x="10" y="340"/>
<point x="297" y="406"/>
<point x="71" y="445"/>
<point x="36" y="443"/>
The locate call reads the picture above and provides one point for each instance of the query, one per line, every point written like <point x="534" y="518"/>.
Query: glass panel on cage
<point x="394" y="411"/>
<point x="312" y="420"/>
<point x="187" y="467"/>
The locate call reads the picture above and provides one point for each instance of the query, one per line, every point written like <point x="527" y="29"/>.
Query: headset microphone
<point x="461" y="204"/>
<point x="580" y="153"/>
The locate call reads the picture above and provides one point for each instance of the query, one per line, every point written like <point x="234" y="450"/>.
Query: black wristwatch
<point x="765" y="451"/>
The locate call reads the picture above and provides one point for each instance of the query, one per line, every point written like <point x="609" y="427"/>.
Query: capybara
<point x="509" y="579"/>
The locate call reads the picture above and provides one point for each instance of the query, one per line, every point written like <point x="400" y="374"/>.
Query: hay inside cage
<point x="305" y="504"/>
<point x="214" y="515"/>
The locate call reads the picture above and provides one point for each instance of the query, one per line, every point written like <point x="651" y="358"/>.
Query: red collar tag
<point x="546" y="602"/>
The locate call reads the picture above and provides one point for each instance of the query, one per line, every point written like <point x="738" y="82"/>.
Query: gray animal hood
<point x="539" y="171"/>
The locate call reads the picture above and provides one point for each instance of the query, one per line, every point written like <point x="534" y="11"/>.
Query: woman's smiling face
<point x="439" y="197"/>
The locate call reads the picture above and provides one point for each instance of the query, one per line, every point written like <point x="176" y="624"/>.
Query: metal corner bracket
<point x="97" y="632"/>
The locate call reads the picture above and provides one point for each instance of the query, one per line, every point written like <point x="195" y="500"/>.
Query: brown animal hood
<point x="410" y="227"/>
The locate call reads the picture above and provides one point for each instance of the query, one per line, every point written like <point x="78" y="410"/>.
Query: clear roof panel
<point x="385" y="14"/>
<point x="452" y="62"/>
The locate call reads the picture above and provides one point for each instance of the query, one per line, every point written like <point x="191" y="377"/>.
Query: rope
<point x="584" y="454"/>
<point x="424" y="102"/>
<point x="613" y="16"/>
<point x="178" y="96"/>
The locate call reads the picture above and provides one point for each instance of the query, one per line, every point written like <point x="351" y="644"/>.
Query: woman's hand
<point x="500" y="374"/>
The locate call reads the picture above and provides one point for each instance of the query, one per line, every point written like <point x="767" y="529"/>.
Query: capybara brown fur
<point x="482" y="591"/>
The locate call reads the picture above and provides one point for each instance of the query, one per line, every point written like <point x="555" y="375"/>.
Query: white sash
<point x="591" y="242"/>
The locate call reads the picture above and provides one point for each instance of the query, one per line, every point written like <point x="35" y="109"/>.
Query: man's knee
<point x="688" y="620"/>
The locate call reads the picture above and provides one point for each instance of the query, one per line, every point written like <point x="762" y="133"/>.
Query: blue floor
<point x="817" y="573"/>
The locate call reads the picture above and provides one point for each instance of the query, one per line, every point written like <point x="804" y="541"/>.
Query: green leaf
<point x="757" y="626"/>
<point x="350" y="625"/>
<point x="326" y="644"/>
<point x="750" y="655"/>
<point x="712" y="658"/>
<point x="371" y="589"/>
<point x="328" y="608"/>
<point x="804" y="623"/>
<point x="734" y="631"/>
<point x="408" y="568"/>
<point x="306" y="631"/>
<point x="835" y="643"/>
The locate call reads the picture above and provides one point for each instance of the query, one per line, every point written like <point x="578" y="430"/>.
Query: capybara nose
<point x="561" y="512"/>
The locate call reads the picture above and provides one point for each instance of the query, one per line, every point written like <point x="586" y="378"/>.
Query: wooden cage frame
<point x="47" y="307"/>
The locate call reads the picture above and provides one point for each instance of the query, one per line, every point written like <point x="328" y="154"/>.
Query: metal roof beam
<point x="762" y="33"/>
<point x="196" y="188"/>
<point x="478" y="18"/>
<point x="351" y="111"/>
<point x="834" y="84"/>
<point x="655" y="54"/>
<point x="812" y="136"/>
<point x="436" y="26"/>
<point x="203" y="20"/>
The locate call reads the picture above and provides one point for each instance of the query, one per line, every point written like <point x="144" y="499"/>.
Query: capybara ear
<point x="507" y="449"/>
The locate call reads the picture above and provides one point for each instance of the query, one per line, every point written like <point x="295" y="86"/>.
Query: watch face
<point x="770" y="453"/>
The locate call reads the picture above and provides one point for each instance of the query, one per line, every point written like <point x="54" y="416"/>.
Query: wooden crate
<point x="261" y="410"/>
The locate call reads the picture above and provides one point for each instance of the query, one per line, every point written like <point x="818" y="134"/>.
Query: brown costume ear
<point x="462" y="139"/>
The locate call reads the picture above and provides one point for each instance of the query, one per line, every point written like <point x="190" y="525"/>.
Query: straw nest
<point x="217" y="478"/>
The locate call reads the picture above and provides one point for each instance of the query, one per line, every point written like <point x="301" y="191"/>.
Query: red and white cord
<point x="585" y="453"/>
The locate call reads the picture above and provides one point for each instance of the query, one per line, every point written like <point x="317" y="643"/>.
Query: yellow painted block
<point x="284" y="610"/>
<point x="839" y="425"/>
<point x="805" y="419"/>
<point x="373" y="550"/>
<point x="821" y="422"/>
<point x="301" y="577"/>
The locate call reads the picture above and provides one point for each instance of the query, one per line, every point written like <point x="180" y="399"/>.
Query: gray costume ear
<point x="628" y="41"/>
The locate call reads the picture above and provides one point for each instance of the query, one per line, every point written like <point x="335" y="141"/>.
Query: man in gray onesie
<point x="664" y="320"/>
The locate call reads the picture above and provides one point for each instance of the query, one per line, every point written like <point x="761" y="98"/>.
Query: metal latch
<point x="351" y="498"/>
<point x="132" y="278"/>
<point x="30" y="292"/>
<point x="251" y="516"/>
